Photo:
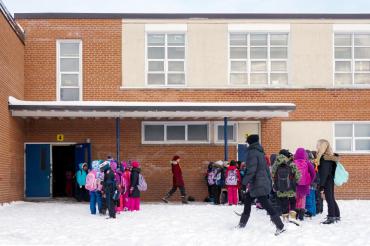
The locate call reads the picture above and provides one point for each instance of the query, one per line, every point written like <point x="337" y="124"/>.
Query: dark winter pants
<point x="333" y="209"/>
<point x="174" y="188"/>
<point x="266" y="204"/>
<point x="216" y="191"/>
<point x="109" y="191"/>
<point x="82" y="194"/>
<point x="287" y="204"/>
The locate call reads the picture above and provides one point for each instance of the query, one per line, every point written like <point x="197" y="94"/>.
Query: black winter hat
<point x="286" y="153"/>
<point x="254" y="138"/>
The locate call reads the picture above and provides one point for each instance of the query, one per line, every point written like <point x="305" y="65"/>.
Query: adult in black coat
<point x="257" y="184"/>
<point x="327" y="164"/>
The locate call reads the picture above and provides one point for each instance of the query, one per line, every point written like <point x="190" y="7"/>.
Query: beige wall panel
<point x="133" y="55"/>
<point x="247" y="128"/>
<point x="305" y="134"/>
<point x="311" y="55"/>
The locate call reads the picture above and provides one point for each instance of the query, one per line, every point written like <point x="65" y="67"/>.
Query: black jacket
<point x="135" y="182"/>
<point x="327" y="169"/>
<point x="109" y="180"/>
<point x="257" y="173"/>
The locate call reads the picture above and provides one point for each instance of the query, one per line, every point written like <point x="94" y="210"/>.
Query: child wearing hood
<point x="95" y="195"/>
<point x="125" y="185"/>
<point x="232" y="182"/>
<point x="307" y="176"/>
<point x="81" y="174"/>
<point x="134" y="190"/>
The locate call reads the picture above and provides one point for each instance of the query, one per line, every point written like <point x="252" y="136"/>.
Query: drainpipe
<point x="118" y="133"/>
<point x="226" y="153"/>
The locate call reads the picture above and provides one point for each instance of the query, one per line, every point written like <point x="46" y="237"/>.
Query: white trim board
<point x="351" y="27"/>
<point x="259" y="27"/>
<point x="166" y="27"/>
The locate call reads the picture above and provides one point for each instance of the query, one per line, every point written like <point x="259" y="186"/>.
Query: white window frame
<point x="353" y="138"/>
<point x="352" y="59"/>
<point x="58" y="72"/>
<point x="220" y="123"/>
<point x="175" y="123"/>
<point x="268" y="59"/>
<point x="165" y="60"/>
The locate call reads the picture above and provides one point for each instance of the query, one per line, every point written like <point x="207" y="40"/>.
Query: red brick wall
<point x="102" y="80"/>
<point x="11" y="129"/>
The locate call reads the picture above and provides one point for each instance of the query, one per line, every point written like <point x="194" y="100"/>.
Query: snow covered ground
<point x="68" y="223"/>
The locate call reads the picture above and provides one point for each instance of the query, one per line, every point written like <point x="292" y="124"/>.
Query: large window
<point x="69" y="67"/>
<point x="231" y="132"/>
<point x="352" y="58"/>
<point x="352" y="137"/>
<point x="175" y="132"/>
<point x="258" y="58"/>
<point x="165" y="59"/>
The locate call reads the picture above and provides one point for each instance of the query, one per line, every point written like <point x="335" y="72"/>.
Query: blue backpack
<point x="341" y="175"/>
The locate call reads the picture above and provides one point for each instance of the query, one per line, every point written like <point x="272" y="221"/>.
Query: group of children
<point x="294" y="192"/>
<point x="112" y="186"/>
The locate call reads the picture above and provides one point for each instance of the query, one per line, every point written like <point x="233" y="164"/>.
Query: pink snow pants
<point x="134" y="203"/>
<point x="301" y="201"/>
<point x="126" y="202"/>
<point x="232" y="193"/>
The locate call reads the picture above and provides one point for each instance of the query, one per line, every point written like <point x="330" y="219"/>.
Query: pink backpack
<point x="232" y="178"/>
<point x="91" y="181"/>
<point x="302" y="166"/>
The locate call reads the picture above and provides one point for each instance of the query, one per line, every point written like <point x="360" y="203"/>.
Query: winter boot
<point x="285" y="217"/>
<point x="184" y="200"/>
<point x="243" y="220"/>
<point x="165" y="198"/>
<point x="293" y="217"/>
<point x="280" y="228"/>
<point x="329" y="220"/>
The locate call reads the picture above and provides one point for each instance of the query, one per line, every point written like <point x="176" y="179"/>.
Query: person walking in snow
<point x="257" y="184"/>
<point x="177" y="181"/>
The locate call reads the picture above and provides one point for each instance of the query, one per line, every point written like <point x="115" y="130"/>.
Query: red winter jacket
<point x="177" y="175"/>
<point x="237" y="173"/>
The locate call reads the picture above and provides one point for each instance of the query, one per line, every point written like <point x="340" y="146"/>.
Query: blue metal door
<point x="82" y="154"/>
<point x="242" y="152"/>
<point x="38" y="170"/>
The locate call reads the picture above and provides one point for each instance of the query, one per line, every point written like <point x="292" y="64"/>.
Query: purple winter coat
<point x="303" y="190"/>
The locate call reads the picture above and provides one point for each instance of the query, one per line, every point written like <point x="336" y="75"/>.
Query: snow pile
<point x="66" y="223"/>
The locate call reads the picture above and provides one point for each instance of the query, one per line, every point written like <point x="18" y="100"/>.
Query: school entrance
<point x="50" y="167"/>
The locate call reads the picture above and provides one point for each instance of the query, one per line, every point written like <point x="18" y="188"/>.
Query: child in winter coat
<point x="177" y="181"/>
<point x="209" y="177"/>
<point x="311" y="197"/>
<point x="125" y="186"/>
<point x="219" y="180"/>
<point x="95" y="194"/>
<point x="134" y="190"/>
<point x="232" y="181"/>
<point x="82" y="194"/>
<point x="285" y="175"/>
<point x="109" y="187"/>
<point x="307" y="176"/>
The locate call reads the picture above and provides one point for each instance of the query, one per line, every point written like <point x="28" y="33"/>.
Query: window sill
<point x="247" y="87"/>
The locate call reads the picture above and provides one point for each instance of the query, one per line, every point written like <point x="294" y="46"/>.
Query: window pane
<point x="155" y="79"/>
<point x="362" y="39"/>
<point x="279" y="66"/>
<point x="343" y="66"/>
<point x="362" y="144"/>
<point x="176" y="66"/>
<point x="362" y="130"/>
<point x="156" y="53"/>
<point x="343" y="130"/>
<point x="258" y="39"/>
<point x="69" y="80"/>
<point x="279" y="39"/>
<point x="238" y="66"/>
<point x="198" y="132"/>
<point x="69" y="94"/>
<point x="342" y="40"/>
<point x="176" y="53"/>
<point x="238" y="39"/>
<point x="362" y="53"/>
<point x="176" y="39"/>
<point x="69" y="49"/>
<point x="239" y="78"/>
<point x="343" y="78"/>
<point x="258" y="66"/>
<point x="69" y="65"/>
<point x="258" y="53"/>
<point x="279" y="78"/>
<point x="362" y="66"/>
<point x="343" y="53"/>
<point x="176" y="79"/>
<point x="156" y="39"/>
<point x="258" y="79"/>
<point x="156" y="66"/>
<point x="176" y="133"/>
<point x="154" y="133"/>
<point x="230" y="133"/>
<point x="362" y="78"/>
<point x="278" y="53"/>
<point x="343" y="144"/>
<point x="238" y="52"/>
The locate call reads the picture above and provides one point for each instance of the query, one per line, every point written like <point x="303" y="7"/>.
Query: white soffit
<point x="166" y="27"/>
<point x="259" y="27"/>
<point x="351" y="27"/>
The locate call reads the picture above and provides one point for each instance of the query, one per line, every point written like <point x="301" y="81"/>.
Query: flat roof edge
<point x="13" y="24"/>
